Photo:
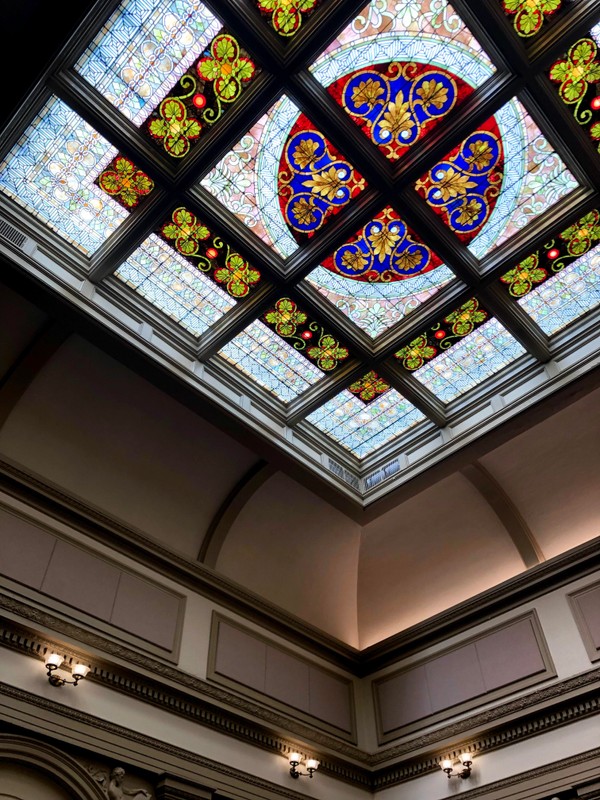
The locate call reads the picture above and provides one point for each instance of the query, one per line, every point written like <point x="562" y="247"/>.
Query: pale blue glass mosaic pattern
<point x="271" y="362"/>
<point x="477" y="357"/>
<point x="375" y="307"/>
<point x="363" y="428"/>
<point x="405" y="30"/>
<point x="245" y="180"/>
<point x="174" y="286"/>
<point x="51" y="171"/>
<point x="535" y="179"/>
<point x="565" y="297"/>
<point x="143" y="50"/>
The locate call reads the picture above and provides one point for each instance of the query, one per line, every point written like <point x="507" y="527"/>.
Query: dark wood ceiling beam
<point x="321" y="27"/>
<point x="493" y="30"/>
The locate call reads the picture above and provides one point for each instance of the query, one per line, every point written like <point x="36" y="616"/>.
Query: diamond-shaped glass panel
<point x="271" y="362"/>
<point x="400" y="67"/>
<point x="284" y="179"/>
<point x="500" y="178"/>
<point x="169" y="64"/>
<point x="172" y="284"/>
<point x="52" y="172"/>
<point x="363" y="426"/>
<point x="381" y="274"/>
<point x="562" y="299"/>
<point x="469" y="363"/>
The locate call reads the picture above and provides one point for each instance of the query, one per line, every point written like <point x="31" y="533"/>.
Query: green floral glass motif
<point x="201" y="95"/>
<point x="443" y="335"/>
<point x="369" y="387"/>
<point x="190" y="237"/>
<point x="308" y="337"/>
<point x="530" y="15"/>
<point x="577" y="74"/>
<point x="286" y="15"/>
<point x="123" y="181"/>
<point x="574" y="242"/>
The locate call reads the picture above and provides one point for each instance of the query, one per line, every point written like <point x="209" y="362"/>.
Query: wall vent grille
<point x="11" y="234"/>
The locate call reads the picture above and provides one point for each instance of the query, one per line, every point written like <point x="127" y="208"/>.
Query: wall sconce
<point x="311" y="764"/>
<point x="54" y="661"/>
<point x="466" y="759"/>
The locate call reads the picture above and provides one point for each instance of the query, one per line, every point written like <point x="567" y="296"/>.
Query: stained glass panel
<point x="400" y="67"/>
<point x="473" y="360"/>
<point x="305" y="335"/>
<point x="576" y="75"/>
<point x="443" y="335"/>
<point x="177" y="288"/>
<point x="529" y="16"/>
<point x="382" y="273"/>
<point x="497" y="180"/>
<point x="554" y="256"/>
<point x="286" y="16"/>
<point x="52" y="172"/>
<point x="363" y="427"/>
<point x="284" y="179"/>
<point x="566" y="296"/>
<point x="171" y="64"/>
<point x="271" y="362"/>
<point x="144" y="49"/>
<point x="192" y="239"/>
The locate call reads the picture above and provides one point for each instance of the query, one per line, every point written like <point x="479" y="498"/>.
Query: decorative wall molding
<point x="190" y="702"/>
<point x="156" y="746"/>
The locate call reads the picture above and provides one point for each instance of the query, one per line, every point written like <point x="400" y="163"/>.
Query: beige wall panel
<point x="93" y="427"/>
<point x="433" y="551"/>
<point x="551" y="474"/>
<point x="297" y="551"/>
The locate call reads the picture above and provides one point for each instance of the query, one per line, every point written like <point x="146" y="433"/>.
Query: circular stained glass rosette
<point x="398" y="102"/>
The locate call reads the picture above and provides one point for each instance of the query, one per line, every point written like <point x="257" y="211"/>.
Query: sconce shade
<point x="294" y="758"/>
<point x="80" y="671"/>
<point x="53" y="661"/>
<point x="446" y="764"/>
<point x="312" y="763"/>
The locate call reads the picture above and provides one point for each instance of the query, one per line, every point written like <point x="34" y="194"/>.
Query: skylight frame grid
<point x="177" y="180"/>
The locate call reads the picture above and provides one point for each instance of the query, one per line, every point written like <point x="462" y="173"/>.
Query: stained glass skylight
<point x="261" y="215"/>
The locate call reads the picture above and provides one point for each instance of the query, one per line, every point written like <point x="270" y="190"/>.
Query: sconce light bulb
<point x="80" y="671"/>
<point x="53" y="661"/>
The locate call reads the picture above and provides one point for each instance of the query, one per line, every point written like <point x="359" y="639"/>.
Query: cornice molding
<point x="192" y="701"/>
